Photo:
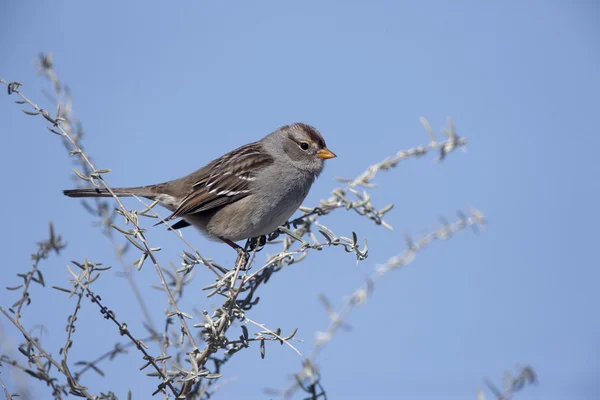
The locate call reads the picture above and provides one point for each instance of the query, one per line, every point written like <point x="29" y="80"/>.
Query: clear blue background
<point x="164" y="87"/>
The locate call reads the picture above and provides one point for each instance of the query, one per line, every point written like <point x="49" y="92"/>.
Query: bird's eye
<point x="304" y="146"/>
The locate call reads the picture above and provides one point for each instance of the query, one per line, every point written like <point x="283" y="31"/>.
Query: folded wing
<point x="227" y="180"/>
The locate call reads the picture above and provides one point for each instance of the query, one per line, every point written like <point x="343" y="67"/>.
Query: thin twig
<point x="6" y="393"/>
<point x="360" y="295"/>
<point x="33" y="341"/>
<point x="56" y="122"/>
<point x="283" y="340"/>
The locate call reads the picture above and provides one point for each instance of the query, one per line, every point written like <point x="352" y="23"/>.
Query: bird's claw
<point x="242" y="258"/>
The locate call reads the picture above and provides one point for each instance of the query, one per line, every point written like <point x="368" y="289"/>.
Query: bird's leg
<point x="242" y="257"/>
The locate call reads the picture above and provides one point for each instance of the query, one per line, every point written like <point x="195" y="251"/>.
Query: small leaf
<point x="326" y="232"/>
<point x="386" y="209"/>
<point x="290" y="336"/>
<point x="326" y="236"/>
<point x="18" y="302"/>
<point x="123" y="231"/>
<point x="291" y="234"/>
<point x="40" y="278"/>
<point x="386" y="225"/>
<point x="139" y="263"/>
<point x="81" y="176"/>
<point x="428" y="129"/>
<point x="136" y="244"/>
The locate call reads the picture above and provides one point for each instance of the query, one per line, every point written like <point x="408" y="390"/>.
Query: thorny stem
<point x="45" y="67"/>
<point x="396" y="262"/>
<point x="127" y="272"/>
<point x="454" y="141"/>
<point x="28" y="279"/>
<point x="44" y="353"/>
<point x="283" y="340"/>
<point x="334" y="202"/>
<point x="71" y="326"/>
<point x="360" y="295"/>
<point x="241" y="262"/>
<point x="165" y="347"/>
<point x="111" y="353"/>
<point x="53" y="243"/>
<point x="6" y="393"/>
<point x="337" y="199"/>
<point x="527" y="375"/>
<point x="123" y="330"/>
<point x="224" y="322"/>
<point x="98" y="176"/>
<point x="149" y="207"/>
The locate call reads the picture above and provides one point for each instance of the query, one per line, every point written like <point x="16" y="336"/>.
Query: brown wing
<point x="228" y="181"/>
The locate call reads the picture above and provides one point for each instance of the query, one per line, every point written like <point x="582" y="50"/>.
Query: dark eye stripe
<point x="311" y="132"/>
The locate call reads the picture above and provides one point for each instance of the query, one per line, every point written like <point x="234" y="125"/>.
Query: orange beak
<point x="325" y="153"/>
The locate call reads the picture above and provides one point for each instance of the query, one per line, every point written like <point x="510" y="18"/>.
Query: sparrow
<point x="244" y="194"/>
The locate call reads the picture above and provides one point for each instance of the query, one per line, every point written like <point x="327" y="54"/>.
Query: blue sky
<point x="162" y="89"/>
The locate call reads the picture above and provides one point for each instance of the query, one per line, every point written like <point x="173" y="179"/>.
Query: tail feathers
<point x="97" y="192"/>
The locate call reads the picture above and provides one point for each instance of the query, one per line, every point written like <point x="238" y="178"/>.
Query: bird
<point x="244" y="194"/>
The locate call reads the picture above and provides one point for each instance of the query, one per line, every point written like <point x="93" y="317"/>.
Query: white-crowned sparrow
<point x="246" y="193"/>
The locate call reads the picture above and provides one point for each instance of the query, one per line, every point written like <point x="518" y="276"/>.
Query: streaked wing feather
<point x="203" y="201"/>
<point x="229" y="180"/>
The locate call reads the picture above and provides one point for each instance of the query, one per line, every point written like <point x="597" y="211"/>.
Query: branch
<point x="309" y="371"/>
<point x="6" y="393"/>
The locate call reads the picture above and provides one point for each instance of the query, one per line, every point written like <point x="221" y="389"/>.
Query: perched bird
<point x="246" y="193"/>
